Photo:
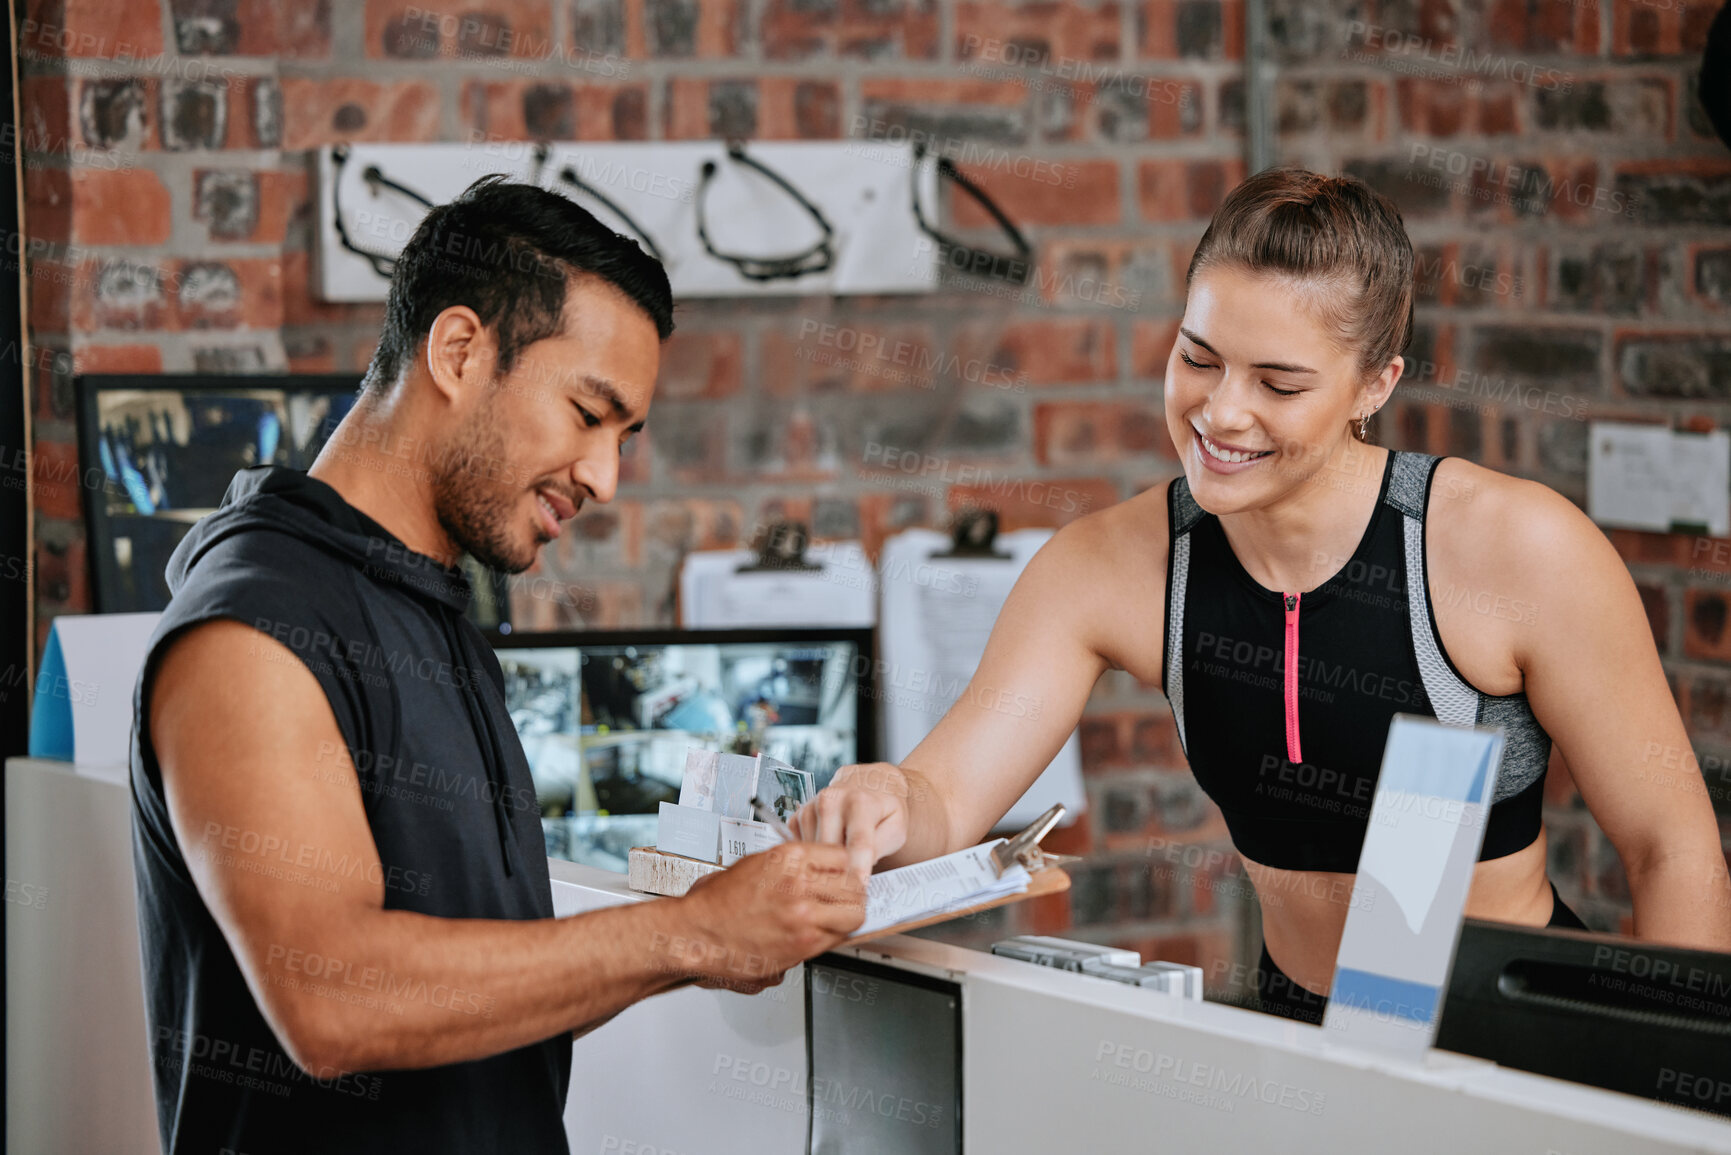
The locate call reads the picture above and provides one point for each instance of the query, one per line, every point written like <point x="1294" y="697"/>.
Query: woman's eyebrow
<point x="1277" y="366"/>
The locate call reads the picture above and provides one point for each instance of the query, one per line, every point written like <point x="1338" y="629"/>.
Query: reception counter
<point x="1005" y="1056"/>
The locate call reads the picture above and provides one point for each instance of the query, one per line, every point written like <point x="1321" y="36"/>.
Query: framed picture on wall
<point x="158" y="452"/>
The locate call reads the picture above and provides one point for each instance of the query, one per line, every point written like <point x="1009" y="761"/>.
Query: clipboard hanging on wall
<point x="782" y="582"/>
<point x="941" y="595"/>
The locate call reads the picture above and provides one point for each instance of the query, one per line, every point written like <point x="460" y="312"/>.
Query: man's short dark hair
<point x="509" y="251"/>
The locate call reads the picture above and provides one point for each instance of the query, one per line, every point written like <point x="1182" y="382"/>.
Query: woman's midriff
<point x="1304" y="911"/>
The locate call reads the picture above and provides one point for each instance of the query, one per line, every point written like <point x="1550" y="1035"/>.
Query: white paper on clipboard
<point x="714" y="594"/>
<point x="937" y="614"/>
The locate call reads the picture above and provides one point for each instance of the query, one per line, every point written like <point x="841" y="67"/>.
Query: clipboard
<point x="1044" y="881"/>
<point x="1045" y="875"/>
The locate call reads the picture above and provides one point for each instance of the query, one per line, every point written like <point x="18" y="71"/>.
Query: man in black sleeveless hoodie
<point x="343" y="890"/>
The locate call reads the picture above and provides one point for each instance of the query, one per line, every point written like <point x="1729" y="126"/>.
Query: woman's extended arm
<point x="1070" y="612"/>
<point x="1593" y="677"/>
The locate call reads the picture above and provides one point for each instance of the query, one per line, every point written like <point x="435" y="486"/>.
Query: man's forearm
<point x="394" y="989"/>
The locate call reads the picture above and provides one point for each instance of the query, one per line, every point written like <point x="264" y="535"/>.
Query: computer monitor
<point x="157" y="453"/>
<point x="1604" y="1010"/>
<point x="606" y="718"/>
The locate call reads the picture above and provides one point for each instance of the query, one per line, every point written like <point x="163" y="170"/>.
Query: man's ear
<point x="461" y="353"/>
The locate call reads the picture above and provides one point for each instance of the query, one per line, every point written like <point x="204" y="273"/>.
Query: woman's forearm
<point x="1682" y="899"/>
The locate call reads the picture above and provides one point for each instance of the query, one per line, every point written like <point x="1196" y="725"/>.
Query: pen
<point x="768" y="816"/>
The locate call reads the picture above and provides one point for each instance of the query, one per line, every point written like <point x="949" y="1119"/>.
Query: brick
<point x="93" y="29"/>
<point x="637" y="461"/>
<point x="309" y="353"/>
<point x="698" y="364"/>
<point x="1609" y="278"/>
<point x="1544" y="26"/>
<point x="48" y="370"/>
<point x="868" y="356"/>
<point x="302" y="307"/>
<point x="952" y="113"/>
<point x="938" y="432"/>
<point x="1348" y="107"/>
<point x="1656" y="602"/>
<point x="1176" y="190"/>
<point x="48" y="204"/>
<point x="115" y="113"/>
<point x="258" y="105"/>
<point x="1041" y="34"/>
<point x="1151" y="344"/>
<point x="1033" y="191"/>
<point x="687" y="524"/>
<point x="732" y="109"/>
<point x="1154" y="741"/>
<point x="1647" y="29"/>
<point x="1704" y="619"/>
<point x="1101" y="274"/>
<point x="193" y="114"/>
<point x="790" y="108"/>
<point x="685" y="29"/>
<point x="883" y="514"/>
<point x="296" y="29"/>
<point x="120" y="294"/>
<point x="117" y="359"/>
<point x="50" y="296"/>
<point x="1403" y="184"/>
<point x="125" y="206"/>
<point x="245" y="205"/>
<point x="1560" y="358"/>
<point x="538" y="110"/>
<point x="62" y="575"/>
<point x="1084" y="433"/>
<point x="1035" y="503"/>
<point x="44" y="116"/>
<point x="1638" y="547"/>
<point x="1190" y="29"/>
<point x="55" y="489"/>
<point x="690" y="445"/>
<point x="493" y="30"/>
<point x="1436" y="108"/>
<point x="600" y="539"/>
<point x="1706" y="702"/>
<point x="1046" y="352"/>
<point x="234" y="293"/>
<point x="1637" y="106"/>
<point x="320" y="112"/>
<point x="1102" y="743"/>
<point x="865" y="29"/>
<point x="1164" y="805"/>
<point x="598" y="29"/>
<point x="1710" y="283"/>
<point x="1680" y="366"/>
<point x="1695" y="190"/>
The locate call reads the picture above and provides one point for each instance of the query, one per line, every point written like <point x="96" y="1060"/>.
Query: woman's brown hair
<point x="1336" y="236"/>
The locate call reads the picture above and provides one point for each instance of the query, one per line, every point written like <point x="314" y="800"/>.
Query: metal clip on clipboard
<point x="1024" y="847"/>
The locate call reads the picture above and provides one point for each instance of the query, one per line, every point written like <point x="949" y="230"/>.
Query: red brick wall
<point x="168" y="148"/>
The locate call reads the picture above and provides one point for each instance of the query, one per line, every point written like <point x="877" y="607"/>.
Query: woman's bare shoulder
<point x="1114" y="561"/>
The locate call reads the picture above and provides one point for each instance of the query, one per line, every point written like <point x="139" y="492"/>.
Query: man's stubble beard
<point x="473" y="508"/>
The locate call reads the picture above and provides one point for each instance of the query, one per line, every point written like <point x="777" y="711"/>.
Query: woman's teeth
<point x="1230" y="455"/>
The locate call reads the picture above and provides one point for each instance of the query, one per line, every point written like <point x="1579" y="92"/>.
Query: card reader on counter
<point x="1104" y="962"/>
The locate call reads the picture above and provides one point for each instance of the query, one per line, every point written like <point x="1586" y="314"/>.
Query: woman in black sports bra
<point x="1296" y="588"/>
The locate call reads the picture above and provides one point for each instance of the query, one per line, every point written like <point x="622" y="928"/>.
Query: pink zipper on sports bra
<point x="1293" y="753"/>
